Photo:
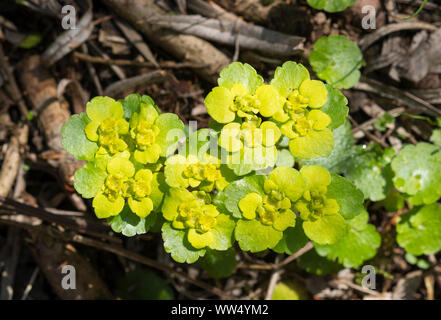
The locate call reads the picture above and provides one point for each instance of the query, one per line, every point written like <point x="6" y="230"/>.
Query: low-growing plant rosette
<point x="123" y="153"/>
<point x="236" y="181"/>
<point x="235" y="95"/>
<point x="299" y="115"/>
<point x="290" y="106"/>
<point x="193" y="225"/>
<point x="267" y="206"/>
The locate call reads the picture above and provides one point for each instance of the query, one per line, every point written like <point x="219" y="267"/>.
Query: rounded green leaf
<point x="200" y="143"/>
<point x="315" y="91"/>
<point x="131" y="105"/>
<point x="238" y="72"/>
<point x="89" y="179"/>
<point x="149" y="155"/>
<point x="229" y="138"/>
<point x="331" y="5"/>
<point x="418" y="172"/>
<point x="218" y="103"/>
<point x="359" y="244"/>
<point x="337" y="60"/>
<point x="316" y="144"/>
<point x="249" y="204"/>
<point x="368" y="175"/>
<point x="74" y="138"/>
<point x="325" y="230"/>
<point x="289" y="181"/>
<point x="129" y="224"/>
<point x="252" y="159"/>
<point x="254" y="236"/>
<point x="316" y="177"/>
<point x="222" y="232"/>
<point x="121" y="166"/>
<point x="348" y="197"/>
<point x="419" y="230"/>
<point x="335" y="107"/>
<point x="342" y="152"/>
<point x="288" y="77"/>
<point x="284" y="219"/>
<point x="237" y="190"/>
<point x="149" y="101"/>
<point x="148" y="112"/>
<point x="177" y="245"/>
<point x="171" y="130"/>
<point x="173" y="171"/>
<point x="101" y="108"/>
<point x="199" y="240"/>
<point x="142" y="207"/>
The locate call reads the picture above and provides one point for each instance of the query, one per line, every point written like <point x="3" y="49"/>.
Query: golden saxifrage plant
<point x="249" y="178"/>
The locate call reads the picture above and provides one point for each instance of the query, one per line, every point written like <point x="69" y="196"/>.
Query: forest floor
<point x="48" y="73"/>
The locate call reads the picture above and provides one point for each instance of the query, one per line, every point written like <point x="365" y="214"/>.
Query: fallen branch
<point x="371" y="38"/>
<point x="81" y="225"/>
<point x="70" y="39"/>
<point x="395" y="94"/>
<point x="41" y="90"/>
<point x="12" y="160"/>
<point x="117" y="88"/>
<point x="116" y="249"/>
<point x="184" y="47"/>
<point x="229" y="33"/>
<point x="122" y="62"/>
<point x="251" y="10"/>
<point x="211" y="10"/>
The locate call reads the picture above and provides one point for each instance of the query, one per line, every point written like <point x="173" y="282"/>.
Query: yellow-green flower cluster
<point x="273" y="205"/>
<point x="255" y="115"/>
<point x="204" y="174"/>
<point x="124" y="145"/>
<point x="122" y="182"/>
<point x="135" y="167"/>
<point x="299" y="114"/>
<point x="284" y="192"/>
<point x="108" y="126"/>
<point x="192" y="211"/>
<point x="314" y="203"/>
